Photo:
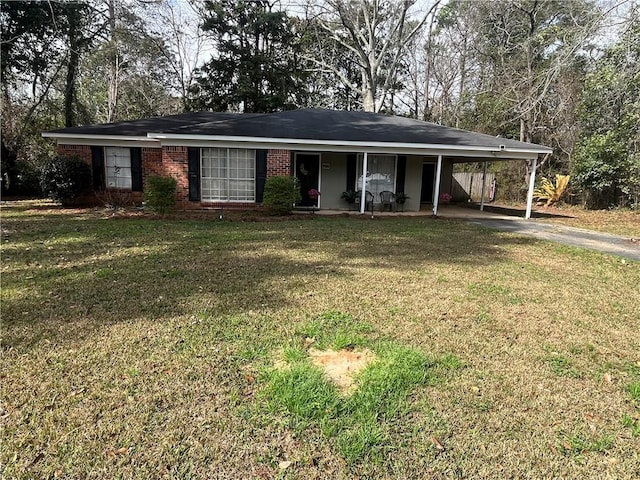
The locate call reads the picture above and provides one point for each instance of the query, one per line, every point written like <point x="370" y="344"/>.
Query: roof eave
<point x="102" y="140"/>
<point x="501" y="151"/>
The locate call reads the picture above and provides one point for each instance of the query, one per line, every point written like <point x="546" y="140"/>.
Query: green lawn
<point x="136" y="347"/>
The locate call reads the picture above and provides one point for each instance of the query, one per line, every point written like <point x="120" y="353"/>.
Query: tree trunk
<point x="368" y="94"/>
<point x="114" y="67"/>
<point x="70" y="99"/>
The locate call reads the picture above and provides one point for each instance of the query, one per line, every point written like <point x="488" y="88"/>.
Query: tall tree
<point x="607" y="164"/>
<point x="325" y="88"/>
<point x="126" y="75"/>
<point x="176" y="31"/>
<point x="376" y="34"/>
<point x="256" y="66"/>
<point x="79" y="38"/>
<point x="31" y="60"/>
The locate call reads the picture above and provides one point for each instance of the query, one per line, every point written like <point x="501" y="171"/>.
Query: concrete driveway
<point x="495" y="218"/>
<point x="625" y="247"/>
<point x="577" y="237"/>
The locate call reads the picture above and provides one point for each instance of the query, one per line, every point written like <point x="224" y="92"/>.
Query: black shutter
<point x="401" y="173"/>
<point x="261" y="173"/>
<point x="193" y="154"/>
<point x="352" y="166"/>
<point x="97" y="167"/>
<point x="136" y="169"/>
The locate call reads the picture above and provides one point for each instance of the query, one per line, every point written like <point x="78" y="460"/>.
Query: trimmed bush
<point x="281" y="193"/>
<point x="65" y="178"/>
<point x="160" y="193"/>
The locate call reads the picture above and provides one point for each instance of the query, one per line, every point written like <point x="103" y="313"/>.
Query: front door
<point x="428" y="180"/>
<point x="308" y="174"/>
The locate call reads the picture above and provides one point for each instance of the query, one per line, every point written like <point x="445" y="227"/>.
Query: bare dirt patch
<point x="341" y="366"/>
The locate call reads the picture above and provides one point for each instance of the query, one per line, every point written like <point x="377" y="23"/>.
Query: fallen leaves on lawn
<point x="437" y="443"/>
<point x="113" y="452"/>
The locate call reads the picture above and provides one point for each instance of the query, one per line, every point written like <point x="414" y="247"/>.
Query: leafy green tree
<point x="256" y="66"/>
<point x="513" y="68"/>
<point x="31" y="61"/>
<point x="607" y="160"/>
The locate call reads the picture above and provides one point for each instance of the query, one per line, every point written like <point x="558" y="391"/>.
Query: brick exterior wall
<point x="81" y="151"/>
<point x="278" y="162"/>
<point x="151" y="163"/>
<point x="173" y="162"/>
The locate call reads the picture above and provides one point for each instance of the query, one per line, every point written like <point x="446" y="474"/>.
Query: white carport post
<point x="532" y="182"/>
<point x="363" y="193"/>
<point x="484" y="185"/>
<point x="436" y="192"/>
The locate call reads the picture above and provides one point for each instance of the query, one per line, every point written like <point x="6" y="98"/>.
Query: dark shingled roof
<point x="140" y="128"/>
<point x="306" y="124"/>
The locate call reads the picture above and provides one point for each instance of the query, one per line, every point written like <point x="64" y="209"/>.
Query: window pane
<point x="381" y="173"/>
<point x="228" y="174"/>
<point x="118" y="167"/>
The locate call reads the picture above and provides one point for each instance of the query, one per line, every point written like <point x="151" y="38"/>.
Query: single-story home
<point x="223" y="159"/>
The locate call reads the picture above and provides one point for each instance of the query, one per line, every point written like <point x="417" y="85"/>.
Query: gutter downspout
<point x="532" y="182"/>
<point x="363" y="193"/>
<point x="436" y="193"/>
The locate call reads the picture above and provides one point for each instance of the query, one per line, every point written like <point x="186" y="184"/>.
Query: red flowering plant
<point x="313" y="194"/>
<point x="445" y="198"/>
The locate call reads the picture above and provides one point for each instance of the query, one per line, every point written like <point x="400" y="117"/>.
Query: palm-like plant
<point x="550" y="192"/>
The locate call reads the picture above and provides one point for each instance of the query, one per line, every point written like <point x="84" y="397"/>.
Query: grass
<point x="580" y="444"/>
<point x="634" y="391"/>
<point x="359" y="423"/>
<point x="135" y="347"/>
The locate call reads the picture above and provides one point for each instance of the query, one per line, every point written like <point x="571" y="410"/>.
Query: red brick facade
<point x="81" y="151"/>
<point x="173" y="162"/>
<point x="278" y="163"/>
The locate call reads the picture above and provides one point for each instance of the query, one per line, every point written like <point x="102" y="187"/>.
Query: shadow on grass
<point x="72" y="274"/>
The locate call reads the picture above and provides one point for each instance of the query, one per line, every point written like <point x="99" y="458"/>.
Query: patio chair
<point x="368" y="196"/>
<point x="387" y="198"/>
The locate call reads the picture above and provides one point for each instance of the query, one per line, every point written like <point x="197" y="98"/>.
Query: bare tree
<point x="180" y="40"/>
<point x="376" y="34"/>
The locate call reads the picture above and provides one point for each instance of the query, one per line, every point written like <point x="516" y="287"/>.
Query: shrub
<point x="27" y="181"/>
<point x="281" y="193"/>
<point x="115" y="198"/>
<point x="160" y="194"/>
<point x="65" y="178"/>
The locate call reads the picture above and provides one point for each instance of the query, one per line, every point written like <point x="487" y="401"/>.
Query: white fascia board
<point x="346" y="146"/>
<point x="102" y="140"/>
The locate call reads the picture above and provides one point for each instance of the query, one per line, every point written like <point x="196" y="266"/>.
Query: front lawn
<point x="138" y="347"/>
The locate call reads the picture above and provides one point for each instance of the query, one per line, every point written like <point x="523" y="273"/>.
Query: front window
<point x="118" y="166"/>
<point x="381" y="174"/>
<point x="228" y="174"/>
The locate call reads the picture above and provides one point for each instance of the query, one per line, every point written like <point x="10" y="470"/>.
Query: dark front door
<point x="308" y="174"/>
<point x="428" y="174"/>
